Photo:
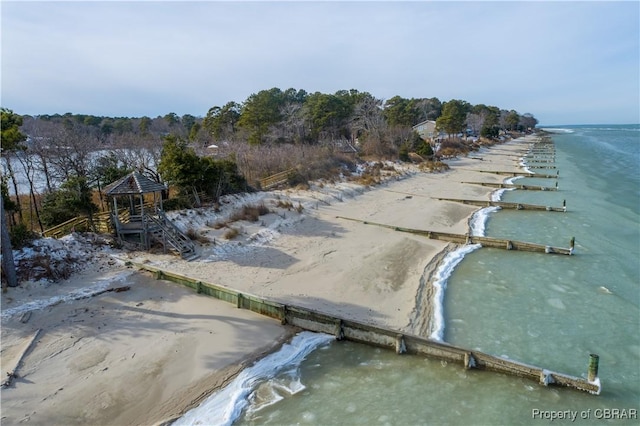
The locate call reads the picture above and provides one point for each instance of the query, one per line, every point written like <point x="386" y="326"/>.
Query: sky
<point x="564" y="62"/>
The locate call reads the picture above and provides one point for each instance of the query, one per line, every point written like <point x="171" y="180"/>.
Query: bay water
<point x="550" y="311"/>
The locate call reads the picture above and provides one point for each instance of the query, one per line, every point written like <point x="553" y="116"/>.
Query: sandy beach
<point x="148" y="354"/>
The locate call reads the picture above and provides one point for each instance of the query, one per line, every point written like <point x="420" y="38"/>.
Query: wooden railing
<point x="101" y="221"/>
<point x="277" y="179"/>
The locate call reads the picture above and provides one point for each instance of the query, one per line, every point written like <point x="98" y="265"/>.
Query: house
<point x="426" y="129"/>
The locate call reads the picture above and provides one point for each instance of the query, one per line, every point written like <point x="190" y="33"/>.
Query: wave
<point x="557" y="130"/>
<point x="479" y="219"/>
<point x="226" y="405"/>
<point x="443" y="273"/>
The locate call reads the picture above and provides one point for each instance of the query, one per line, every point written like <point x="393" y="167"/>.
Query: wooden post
<point x="469" y="361"/>
<point x="545" y="378"/>
<point x="339" y="333"/>
<point x="592" y="374"/>
<point x="400" y="345"/>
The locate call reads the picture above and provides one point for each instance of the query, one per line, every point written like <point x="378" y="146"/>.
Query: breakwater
<point x="499" y="243"/>
<point x="401" y="343"/>
<point x="507" y="205"/>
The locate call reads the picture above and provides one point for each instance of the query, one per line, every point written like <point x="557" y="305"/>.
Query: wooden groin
<point x="507" y="205"/>
<point x="539" y="166"/>
<point x="492" y="242"/>
<point x="402" y="343"/>
<point x="514" y="174"/>
<point x="514" y="186"/>
<point x="548" y="155"/>
<point x="541" y="159"/>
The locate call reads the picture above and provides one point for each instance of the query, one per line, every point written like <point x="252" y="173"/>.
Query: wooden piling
<point x="400" y="346"/>
<point x="469" y="361"/>
<point x="339" y="331"/>
<point x="592" y="373"/>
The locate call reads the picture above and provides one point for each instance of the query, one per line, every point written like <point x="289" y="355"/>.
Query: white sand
<point x="148" y="354"/>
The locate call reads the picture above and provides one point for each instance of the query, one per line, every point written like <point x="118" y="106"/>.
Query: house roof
<point x="423" y="123"/>
<point x="134" y="183"/>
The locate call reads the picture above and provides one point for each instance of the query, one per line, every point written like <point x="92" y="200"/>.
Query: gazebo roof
<point x="134" y="183"/>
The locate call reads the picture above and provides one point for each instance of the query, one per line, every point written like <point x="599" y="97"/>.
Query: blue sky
<point x="564" y="62"/>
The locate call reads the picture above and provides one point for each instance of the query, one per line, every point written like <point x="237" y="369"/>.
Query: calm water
<point x="549" y="311"/>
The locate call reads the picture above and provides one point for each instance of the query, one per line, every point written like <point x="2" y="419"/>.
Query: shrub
<point x="231" y="234"/>
<point x="433" y="166"/>
<point x="250" y="213"/>
<point x="284" y="204"/>
<point x="176" y="203"/>
<point x="20" y="236"/>
<point x="194" y="236"/>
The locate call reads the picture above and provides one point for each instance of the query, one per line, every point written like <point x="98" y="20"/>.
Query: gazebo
<point x="143" y="222"/>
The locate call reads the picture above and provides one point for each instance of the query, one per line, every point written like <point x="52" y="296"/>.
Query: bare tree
<point x="30" y="171"/>
<point x="475" y="122"/>
<point x="73" y="154"/>
<point x="368" y="117"/>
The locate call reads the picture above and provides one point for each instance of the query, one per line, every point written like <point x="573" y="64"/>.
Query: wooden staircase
<point x="161" y="229"/>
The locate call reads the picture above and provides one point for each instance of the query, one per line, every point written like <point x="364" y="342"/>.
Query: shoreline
<point x="371" y="275"/>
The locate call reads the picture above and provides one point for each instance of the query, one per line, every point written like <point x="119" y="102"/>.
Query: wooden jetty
<point x="499" y="243"/>
<point x="402" y="343"/>
<point x="542" y="158"/>
<point x="507" y="205"/>
<point x="538" y="165"/>
<point x="521" y="173"/>
<point x="514" y="186"/>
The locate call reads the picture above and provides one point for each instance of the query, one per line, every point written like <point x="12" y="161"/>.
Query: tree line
<point x="66" y="159"/>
